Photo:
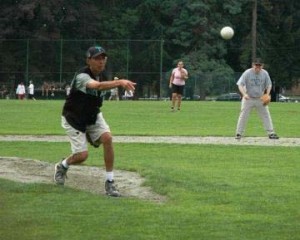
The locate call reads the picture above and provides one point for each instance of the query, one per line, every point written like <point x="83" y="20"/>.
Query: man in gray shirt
<point x="253" y="83"/>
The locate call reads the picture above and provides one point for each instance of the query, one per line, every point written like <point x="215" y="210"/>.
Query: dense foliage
<point x="190" y="31"/>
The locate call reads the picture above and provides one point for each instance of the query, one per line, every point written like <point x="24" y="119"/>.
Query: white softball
<point x="227" y="32"/>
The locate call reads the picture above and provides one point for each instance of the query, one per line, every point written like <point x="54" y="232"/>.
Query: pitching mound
<point x="90" y="179"/>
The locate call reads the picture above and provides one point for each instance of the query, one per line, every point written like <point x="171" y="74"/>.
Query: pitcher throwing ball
<point x="83" y="120"/>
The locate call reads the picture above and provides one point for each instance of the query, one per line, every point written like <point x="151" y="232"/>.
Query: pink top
<point x="177" y="79"/>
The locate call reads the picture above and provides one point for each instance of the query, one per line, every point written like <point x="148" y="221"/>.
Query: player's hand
<point x="183" y="75"/>
<point x="246" y="97"/>
<point x="127" y="84"/>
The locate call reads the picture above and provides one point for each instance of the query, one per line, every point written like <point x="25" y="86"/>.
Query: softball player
<point x="83" y="121"/>
<point x="253" y="83"/>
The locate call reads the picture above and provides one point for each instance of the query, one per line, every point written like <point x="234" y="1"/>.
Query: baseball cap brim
<point x="98" y="54"/>
<point x="93" y="52"/>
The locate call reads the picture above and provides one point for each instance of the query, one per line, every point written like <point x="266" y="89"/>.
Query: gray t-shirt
<point x="255" y="83"/>
<point x="82" y="80"/>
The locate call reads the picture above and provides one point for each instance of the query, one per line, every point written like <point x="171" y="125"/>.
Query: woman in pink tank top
<point x="177" y="81"/>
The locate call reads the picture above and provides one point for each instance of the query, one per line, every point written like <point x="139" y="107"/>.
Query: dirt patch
<point x="90" y="179"/>
<point x="255" y="141"/>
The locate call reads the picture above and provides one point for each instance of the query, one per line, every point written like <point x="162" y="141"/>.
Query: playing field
<point x="211" y="191"/>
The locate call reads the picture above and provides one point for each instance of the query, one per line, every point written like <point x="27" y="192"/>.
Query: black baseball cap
<point x="258" y="61"/>
<point x="95" y="51"/>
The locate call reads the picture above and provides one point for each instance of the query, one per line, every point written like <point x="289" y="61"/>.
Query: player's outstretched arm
<point x="124" y="83"/>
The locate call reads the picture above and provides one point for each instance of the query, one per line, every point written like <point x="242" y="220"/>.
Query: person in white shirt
<point x="68" y="90"/>
<point x="21" y="91"/>
<point x="31" y="91"/>
<point x="128" y="95"/>
<point x="114" y="93"/>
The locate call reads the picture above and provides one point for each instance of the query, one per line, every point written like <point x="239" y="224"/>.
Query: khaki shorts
<point x="78" y="139"/>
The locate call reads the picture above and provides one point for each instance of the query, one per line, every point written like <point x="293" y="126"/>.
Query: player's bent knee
<point x="106" y="138"/>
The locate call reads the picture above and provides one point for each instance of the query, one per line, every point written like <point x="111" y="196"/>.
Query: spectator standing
<point x="4" y="92"/>
<point x="31" y="91"/>
<point x="128" y="95"/>
<point x="68" y="90"/>
<point x="114" y="92"/>
<point x="21" y="91"/>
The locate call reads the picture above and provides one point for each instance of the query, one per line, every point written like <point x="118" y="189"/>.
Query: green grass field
<point x="213" y="191"/>
<point x="150" y="118"/>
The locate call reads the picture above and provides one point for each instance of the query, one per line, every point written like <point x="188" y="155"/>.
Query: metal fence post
<point x="61" y="59"/>
<point x="27" y="63"/>
<point x="161" y="67"/>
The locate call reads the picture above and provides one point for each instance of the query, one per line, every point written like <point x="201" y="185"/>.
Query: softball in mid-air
<point x="227" y="33"/>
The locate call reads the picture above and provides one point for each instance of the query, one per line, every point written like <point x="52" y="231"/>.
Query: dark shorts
<point x="177" y="89"/>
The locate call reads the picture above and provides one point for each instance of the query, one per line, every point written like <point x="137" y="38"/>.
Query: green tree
<point x="189" y="28"/>
<point x="279" y="38"/>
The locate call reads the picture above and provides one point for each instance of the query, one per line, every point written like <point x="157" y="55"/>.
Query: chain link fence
<point x="51" y="65"/>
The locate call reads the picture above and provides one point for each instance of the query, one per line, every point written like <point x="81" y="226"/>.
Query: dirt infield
<point x="257" y="141"/>
<point x="90" y="179"/>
